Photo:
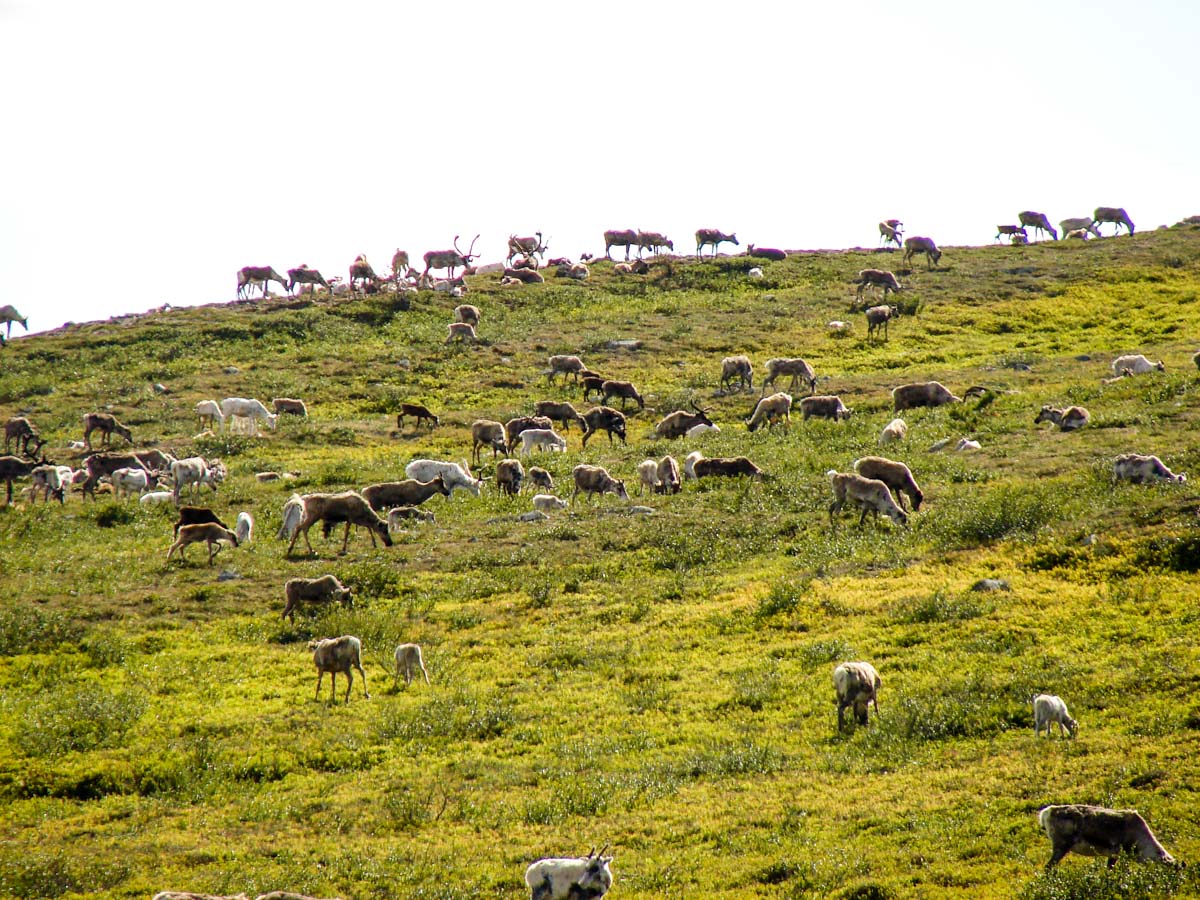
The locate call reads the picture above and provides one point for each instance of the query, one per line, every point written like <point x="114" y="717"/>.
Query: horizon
<point x="154" y="168"/>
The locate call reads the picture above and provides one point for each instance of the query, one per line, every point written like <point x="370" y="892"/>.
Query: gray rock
<point x="160" y="388"/>
<point x="641" y="510"/>
<point x="938" y="445"/>
<point x="624" y="345"/>
<point x="991" y="584"/>
<point x="231" y="370"/>
<point x="533" y="515"/>
<point x="1083" y="357"/>
<point x="227" y="575"/>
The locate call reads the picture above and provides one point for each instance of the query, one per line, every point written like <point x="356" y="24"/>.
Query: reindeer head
<point x="470" y="254"/>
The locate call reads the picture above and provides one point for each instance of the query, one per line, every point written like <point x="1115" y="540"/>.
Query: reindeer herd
<point x="526" y="254"/>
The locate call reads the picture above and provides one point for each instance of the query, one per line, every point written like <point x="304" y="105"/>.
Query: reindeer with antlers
<point x="529" y="247"/>
<point x="450" y="259"/>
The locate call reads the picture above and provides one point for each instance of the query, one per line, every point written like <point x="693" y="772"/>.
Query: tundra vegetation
<point x="658" y="683"/>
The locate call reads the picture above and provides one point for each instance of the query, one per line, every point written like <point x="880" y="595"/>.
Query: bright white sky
<point x="153" y="148"/>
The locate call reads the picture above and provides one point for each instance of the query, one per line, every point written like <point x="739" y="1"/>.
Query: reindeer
<point x="715" y="237"/>
<point x="654" y="241"/>
<point x="9" y="314"/>
<point x="13" y="467"/>
<point x="1012" y="231"/>
<point x="399" y="263"/>
<point x="1037" y="221"/>
<point x="361" y="271"/>
<point x="679" y="422"/>
<point x="450" y="259"/>
<point x="251" y="275"/>
<point x="526" y="246"/>
<point x="624" y="239"/>
<point x="890" y="232"/>
<point x="302" y="274"/>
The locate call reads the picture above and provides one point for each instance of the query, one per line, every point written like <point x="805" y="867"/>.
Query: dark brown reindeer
<point x="13" y="467"/>
<point x="417" y="411"/>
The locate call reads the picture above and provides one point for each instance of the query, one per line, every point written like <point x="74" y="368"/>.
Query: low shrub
<point x="85" y="717"/>
<point x="25" y="628"/>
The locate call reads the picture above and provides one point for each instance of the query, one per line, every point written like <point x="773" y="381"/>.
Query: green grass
<point x="659" y="683"/>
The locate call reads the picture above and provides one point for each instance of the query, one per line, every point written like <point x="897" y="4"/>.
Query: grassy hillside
<point x="660" y="683"/>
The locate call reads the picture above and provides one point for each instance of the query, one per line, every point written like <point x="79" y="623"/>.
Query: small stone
<point x="160" y="388"/>
<point x="625" y="345"/>
<point x="1083" y="357"/>
<point x="534" y="515"/>
<point x="227" y="575"/>
<point x="641" y="510"/>
<point x="404" y="363"/>
<point x="231" y="370"/>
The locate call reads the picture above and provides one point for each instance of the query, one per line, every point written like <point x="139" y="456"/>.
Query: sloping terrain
<point x="659" y="683"/>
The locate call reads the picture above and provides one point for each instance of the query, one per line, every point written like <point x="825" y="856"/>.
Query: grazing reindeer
<point x="419" y="412"/>
<point x="1038" y="222"/>
<point x="302" y="274"/>
<point x="8" y="315"/>
<point x="21" y="430"/>
<point x="654" y="241"/>
<point x="251" y="275"/>
<point x="877" y="278"/>
<point x="106" y="425"/>
<point x="890" y="232"/>
<point x="450" y="259"/>
<point x="361" y="272"/>
<point x="1114" y="214"/>
<point x="915" y="245"/>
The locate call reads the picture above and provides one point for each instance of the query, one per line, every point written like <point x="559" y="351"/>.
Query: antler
<point x="470" y="252"/>
<point x="456" y="245"/>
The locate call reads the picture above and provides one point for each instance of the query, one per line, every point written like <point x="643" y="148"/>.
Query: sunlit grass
<point x="659" y="683"/>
